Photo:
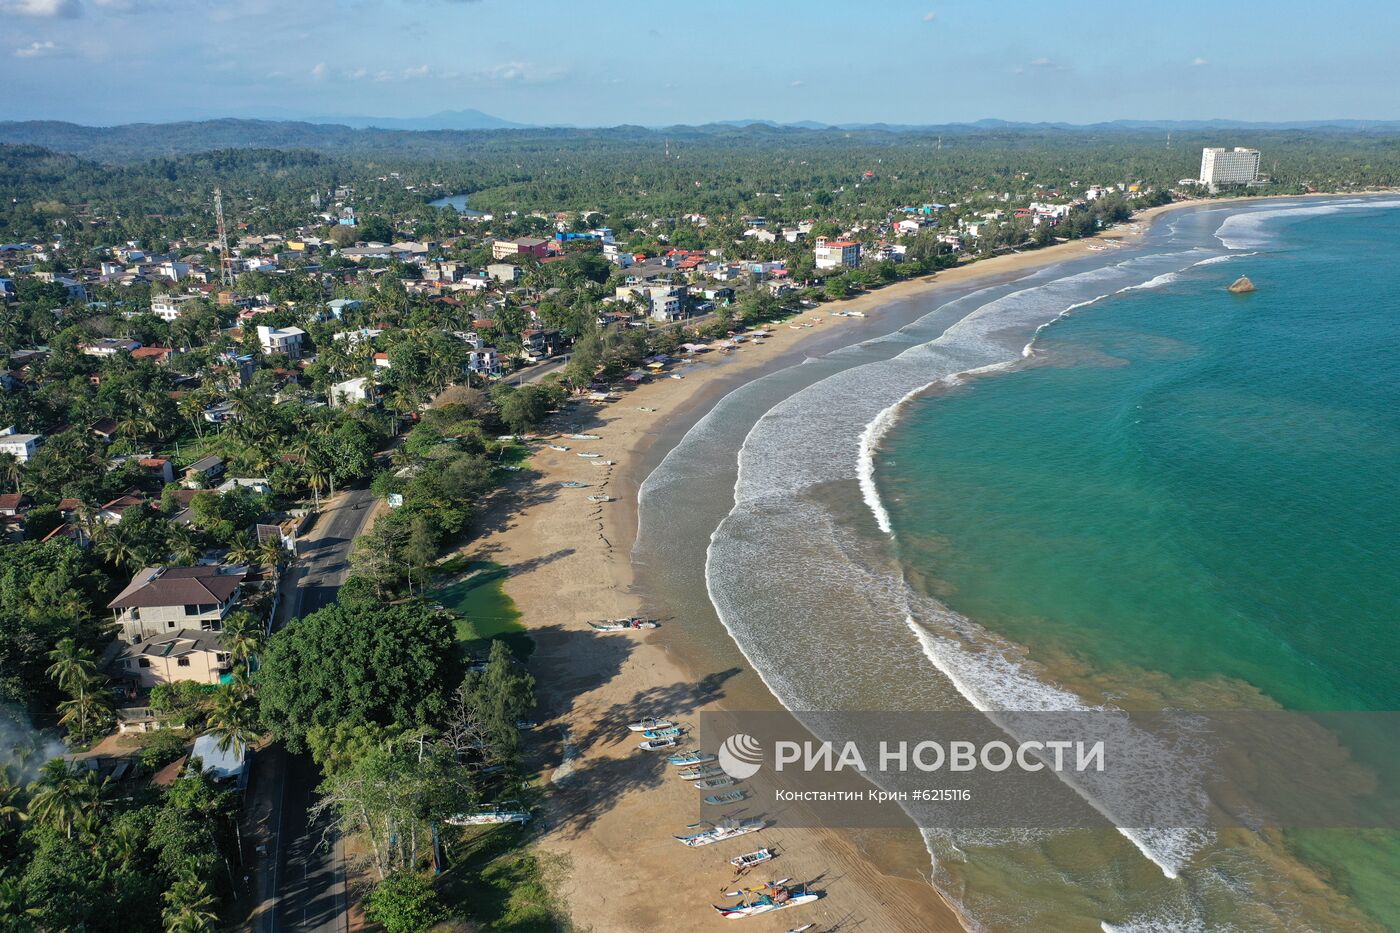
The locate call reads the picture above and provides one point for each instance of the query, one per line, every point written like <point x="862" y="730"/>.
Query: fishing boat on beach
<point x="766" y="898"/>
<point x="691" y="758"/>
<point x="642" y="725"/>
<point x="714" y="783"/>
<point x="700" y="772"/>
<point x="557" y="447"/>
<point x="668" y="732"/>
<point x="584" y="437"/>
<point x="656" y="745"/>
<point x="624" y="625"/>
<point x="604" y="462"/>
<point x="601" y="498"/>
<point x="728" y="829"/>
<point x="750" y="859"/>
<point x="589" y="456"/>
<point x="573" y="484"/>
<point x="733" y="796"/>
<point x="490" y="815"/>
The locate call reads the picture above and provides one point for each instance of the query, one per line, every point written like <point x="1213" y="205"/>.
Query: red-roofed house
<point x="836" y="254"/>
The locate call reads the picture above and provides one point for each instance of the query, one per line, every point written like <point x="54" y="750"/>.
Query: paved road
<point x="302" y="883"/>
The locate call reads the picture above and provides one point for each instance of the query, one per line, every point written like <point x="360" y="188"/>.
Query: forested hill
<point x="141" y="141"/>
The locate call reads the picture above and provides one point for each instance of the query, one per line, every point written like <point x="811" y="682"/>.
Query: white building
<point x="19" y="446"/>
<point x="350" y="391"/>
<point x="834" y="254"/>
<point x="1229" y="166"/>
<point x="281" y="339"/>
<point x="169" y="307"/>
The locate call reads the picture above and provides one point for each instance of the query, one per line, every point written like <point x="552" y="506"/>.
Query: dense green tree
<point x="405" y="902"/>
<point x="357" y="663"/>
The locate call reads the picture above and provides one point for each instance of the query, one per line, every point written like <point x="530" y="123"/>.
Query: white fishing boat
<point x="559" y="447"/>
<point x="624" y="625"/>
<point x="584" y="437"/>
<point x="656" y="745"/>
<point x="765" y="899"/>
<point x="666" y="733"/>
<point x="642" y="725"/>
<point x="700" y="772"/>
<point x="603" y="462"/>
<point x="588" y="456"/>
<point x="729" y="829"/>
<point x="750" y="859"/>
<point x="715" y="783"/>
<point x="601" y="498"/>
<point x="574" y="484"/>
<point x="489" y="816"/>
<point x="733" y="796"/>
<point x="691" y="758"/>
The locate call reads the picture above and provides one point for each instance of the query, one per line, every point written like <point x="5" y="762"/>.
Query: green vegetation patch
<point x="504" y="887"/>
<point x="484" y="608"/>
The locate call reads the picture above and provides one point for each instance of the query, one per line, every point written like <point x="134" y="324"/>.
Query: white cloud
<point x="422" y="71"/>
<point x="797" y="84"/>
<point x="42" y="8"/>
<point x="36" y="49"/>
<point x="319" y="71"/>
<point x="1043" y="63"/>
<point x="1198" y="61"/>
<point x="930" y="16"/>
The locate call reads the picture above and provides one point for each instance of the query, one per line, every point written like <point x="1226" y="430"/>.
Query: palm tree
<point x="242" y="636"/>
<point x="117" y="546"/>
<point x="11" y="807"/>
<point x="72" y="667"/>
<point x="82" y="713"/>
<point x="60" y="798"/>
<point x="243" y="550"/>
<point x="189" y="907"/>
<point x="11" y="470"/>
<point x="233" y="719"/>
<point x="271" y="551"/>
<point x="184" y="546"/>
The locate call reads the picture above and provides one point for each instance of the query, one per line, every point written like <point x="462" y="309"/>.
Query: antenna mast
<point x="225" y="257"/>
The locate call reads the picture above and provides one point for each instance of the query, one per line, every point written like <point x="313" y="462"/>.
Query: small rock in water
<point x="1241" y="285"/>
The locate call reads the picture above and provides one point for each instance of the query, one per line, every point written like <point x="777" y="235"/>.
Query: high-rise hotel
<point x="1229" y="166"/>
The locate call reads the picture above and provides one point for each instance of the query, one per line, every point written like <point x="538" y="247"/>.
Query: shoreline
<point x="612" y="806"/>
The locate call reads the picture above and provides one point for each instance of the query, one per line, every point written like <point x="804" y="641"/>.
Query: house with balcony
<point x="188" y="654"/>
<point x="163" y="601"/>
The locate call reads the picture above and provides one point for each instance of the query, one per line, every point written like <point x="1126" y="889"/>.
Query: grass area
<point x="498" y="883"/>
<point x="477" y="594"/>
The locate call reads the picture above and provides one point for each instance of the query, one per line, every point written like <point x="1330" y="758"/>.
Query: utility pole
<point x="225" y="257"/>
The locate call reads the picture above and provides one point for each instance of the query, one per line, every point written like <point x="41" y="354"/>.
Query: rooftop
<point x="177" y="586"/>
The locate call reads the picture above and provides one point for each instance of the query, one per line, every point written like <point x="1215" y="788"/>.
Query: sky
<point x="606" y="62"/>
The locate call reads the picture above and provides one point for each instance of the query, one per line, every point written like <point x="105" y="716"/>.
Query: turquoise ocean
<point x="1106" y="483"/>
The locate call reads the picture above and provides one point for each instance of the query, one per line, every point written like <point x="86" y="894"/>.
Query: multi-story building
<point x="836" y="254"/>
<point x="169" y="307"/>
<point x="281" y="339"/>
<point x="19" y="446"/>
<point x="504" y="249"/>
<point x="1229" y="166"/>
<point x="161" y="601"/>
<point x="189" y="654"/>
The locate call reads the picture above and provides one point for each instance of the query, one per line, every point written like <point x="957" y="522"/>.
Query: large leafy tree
<point x="357" y="661"/>
<point x="46" y="591"/>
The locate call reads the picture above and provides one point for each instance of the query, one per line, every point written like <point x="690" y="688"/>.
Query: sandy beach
<point x="613" y="809"/>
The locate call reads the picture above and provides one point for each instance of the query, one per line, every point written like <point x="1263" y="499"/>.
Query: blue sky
<point x="604" y="62"/>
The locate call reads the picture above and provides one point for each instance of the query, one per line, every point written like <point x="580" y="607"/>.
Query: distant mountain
<point x="444" y="120"/>
<point x="444" y="135"/>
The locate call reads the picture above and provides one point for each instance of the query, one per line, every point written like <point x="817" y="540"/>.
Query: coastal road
<point x="301" y="882"/>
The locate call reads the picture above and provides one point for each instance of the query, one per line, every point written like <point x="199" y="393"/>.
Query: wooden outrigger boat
<point x="729" y="829"/>
<point x="750" y="859"/>
<point x="666" y="733"/>
<point x="734" y="796"/>
<point x="656" y="745"/>
<point x="624" y="625"/>
<point x="715" y="783"/>
<point x="691" y="758"/>
<point x="642" y="725"/>
<point x="701" y="772"/>
<point x="764" y="899"/>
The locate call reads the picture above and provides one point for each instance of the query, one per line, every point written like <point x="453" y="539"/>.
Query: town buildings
<point x="836" y="254"/>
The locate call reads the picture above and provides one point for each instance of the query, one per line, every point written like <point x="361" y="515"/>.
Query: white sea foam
<point x="1249" y="229"/>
